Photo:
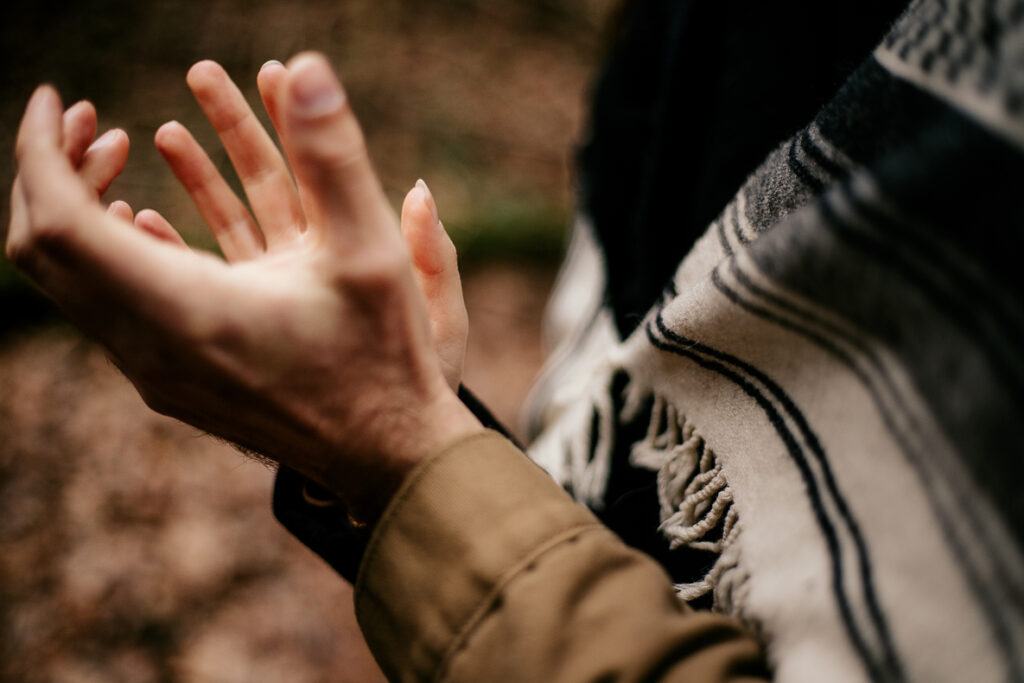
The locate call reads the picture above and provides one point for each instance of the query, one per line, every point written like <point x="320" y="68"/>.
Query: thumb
<point x="40" y="139"/>
<point x="50" y="194"/>
<point x="328" y="153"/>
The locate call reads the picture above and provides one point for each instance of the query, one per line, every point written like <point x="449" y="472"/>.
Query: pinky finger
<point x="156" y="225"/>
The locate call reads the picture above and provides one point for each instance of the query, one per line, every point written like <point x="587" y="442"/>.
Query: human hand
<point x="276" y="202"/>
<point x="315" y="351"/>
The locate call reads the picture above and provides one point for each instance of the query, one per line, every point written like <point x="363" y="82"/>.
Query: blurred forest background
<point x="134" y="548"/>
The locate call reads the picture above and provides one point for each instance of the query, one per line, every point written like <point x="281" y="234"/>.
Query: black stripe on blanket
<point x="932" y="236"/>
<point x="912" y="440"/>
<point x="884" y="245"/>
<point x="877" y="650"/>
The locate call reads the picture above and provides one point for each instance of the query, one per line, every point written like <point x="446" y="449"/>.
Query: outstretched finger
<point x="432" y="251"/>
<point x="435" y="266"/>
<point x="268" y="80"/>
<point x="79" y="123"/>
<point x="329" y="155"/>
<point x="259" y="164"/>
<point x="104" y="160"/>
<point x="236" y="232"/>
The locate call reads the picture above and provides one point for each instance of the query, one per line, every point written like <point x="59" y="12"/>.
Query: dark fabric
<point x="326" y="530"/>
<point x="324" y="527"/>
<point x="484" y="414"/>
<point x="876" y="246"/>
<point x="693" y="98"/>
<point x="631" y="509"/>
<point x="940" y="251"/>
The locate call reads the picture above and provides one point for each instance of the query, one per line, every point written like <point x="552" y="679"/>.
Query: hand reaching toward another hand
<point x="279" y="220"/>
<point x="437" y="271"/>
<point x="313" y="345"/>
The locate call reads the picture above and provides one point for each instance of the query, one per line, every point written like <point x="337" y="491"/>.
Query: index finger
<point x="260" y="166"/>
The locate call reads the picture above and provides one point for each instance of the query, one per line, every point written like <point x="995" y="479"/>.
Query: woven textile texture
<point x="823" y="407"/>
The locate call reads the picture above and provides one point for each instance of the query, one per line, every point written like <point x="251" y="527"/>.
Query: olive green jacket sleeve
<point x="483" y="569"/>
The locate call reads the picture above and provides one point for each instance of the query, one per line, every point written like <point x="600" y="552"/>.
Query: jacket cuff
<point x="462" y="525"/>
<point x="315" y="517"/>
<point x="312" y="515"/>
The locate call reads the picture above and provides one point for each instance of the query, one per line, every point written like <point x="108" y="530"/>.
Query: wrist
<point x="415" y="440"/>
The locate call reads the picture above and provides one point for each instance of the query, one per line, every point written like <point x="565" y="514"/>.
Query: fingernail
<point x="428" y="198"/>
<point x="46" y="93"/>
<point x="315" y="89"/>
<point x="119" y="209"/>
<point x="104" y="140"/>
<point x="270" y="62"/>
<point x="44" y="102"/>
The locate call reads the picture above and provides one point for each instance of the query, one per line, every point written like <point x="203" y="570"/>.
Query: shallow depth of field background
<point x="133" y="547"/>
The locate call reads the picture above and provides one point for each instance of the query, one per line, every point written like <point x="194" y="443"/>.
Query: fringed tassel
<point x="693" y="492"/>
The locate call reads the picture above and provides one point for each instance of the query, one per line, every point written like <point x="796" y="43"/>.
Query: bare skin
<point x="318" y="343"/>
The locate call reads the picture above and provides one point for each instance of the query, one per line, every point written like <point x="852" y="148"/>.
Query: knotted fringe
<point x="693" y="493"/>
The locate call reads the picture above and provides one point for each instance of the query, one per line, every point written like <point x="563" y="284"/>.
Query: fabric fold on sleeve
<point x="482" y="568"/>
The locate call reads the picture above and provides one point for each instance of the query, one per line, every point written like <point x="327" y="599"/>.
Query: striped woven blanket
<point x="826" y="401"/>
